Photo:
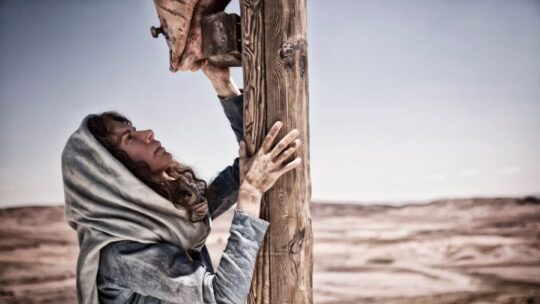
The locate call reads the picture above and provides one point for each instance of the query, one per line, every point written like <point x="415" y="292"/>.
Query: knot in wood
<point x="297" y="242"/>
<point x="288" y="50"/>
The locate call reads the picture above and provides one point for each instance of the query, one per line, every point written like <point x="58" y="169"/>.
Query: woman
<point x="142" y="218"/>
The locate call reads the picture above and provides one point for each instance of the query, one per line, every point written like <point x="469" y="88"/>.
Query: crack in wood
<point x="253" y="4"/>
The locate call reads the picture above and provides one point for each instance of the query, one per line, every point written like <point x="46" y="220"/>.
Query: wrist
<point x="249" y="199"/>
<point x="225" y="88"/>
<point x="249" y="192"/>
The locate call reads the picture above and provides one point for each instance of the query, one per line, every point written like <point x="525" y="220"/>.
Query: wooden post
<point x="274" y="59"/>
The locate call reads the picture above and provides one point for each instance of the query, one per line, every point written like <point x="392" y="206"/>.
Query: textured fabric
<point x="132" y="272"/>
<point x="234" y="111"/>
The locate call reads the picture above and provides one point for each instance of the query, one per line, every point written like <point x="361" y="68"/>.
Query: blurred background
<point x="424" y="123"/>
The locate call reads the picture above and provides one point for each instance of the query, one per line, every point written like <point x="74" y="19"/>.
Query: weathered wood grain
<point x="252" y="27"/>
<point x="276" y="88"/>
<point x="221" y="39"/>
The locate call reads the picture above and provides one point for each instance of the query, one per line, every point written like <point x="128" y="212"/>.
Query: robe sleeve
<point x="223" y="189"/>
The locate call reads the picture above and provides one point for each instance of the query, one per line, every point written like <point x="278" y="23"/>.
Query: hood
<point x="105" y="202"/>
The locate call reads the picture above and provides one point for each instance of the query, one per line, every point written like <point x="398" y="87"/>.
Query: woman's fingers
<point x="269" y="139"/>
<point x="284" y="142"/>
<point x="270" y="163"/>
<point x="187" y="62"/>
<point x="291" y="165"/>
<point x="283" y="156"/>
<point x="196" y="66"/>
<point x="242" y="150"/>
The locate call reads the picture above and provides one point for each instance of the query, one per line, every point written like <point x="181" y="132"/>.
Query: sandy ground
<point x="451" y="251"/>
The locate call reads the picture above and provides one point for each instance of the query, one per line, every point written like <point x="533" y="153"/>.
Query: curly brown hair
<point x="184" y="190"/>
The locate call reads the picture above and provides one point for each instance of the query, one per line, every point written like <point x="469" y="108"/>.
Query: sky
<point x="409" y="100"/>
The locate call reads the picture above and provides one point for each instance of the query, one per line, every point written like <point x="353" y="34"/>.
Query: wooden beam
<point x="274" y="60"/>
<point x="222" y="39"/>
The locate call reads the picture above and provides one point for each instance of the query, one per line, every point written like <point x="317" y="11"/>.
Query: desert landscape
<point x="482" y="250"/>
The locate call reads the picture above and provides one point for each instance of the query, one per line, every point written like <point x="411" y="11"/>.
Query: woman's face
<point x="140" y="146"/>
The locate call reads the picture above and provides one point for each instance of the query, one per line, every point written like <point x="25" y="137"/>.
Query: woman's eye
<point x="128" y="137"/>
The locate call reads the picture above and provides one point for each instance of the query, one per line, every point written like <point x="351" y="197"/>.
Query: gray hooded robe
<point x="105" y="203"/>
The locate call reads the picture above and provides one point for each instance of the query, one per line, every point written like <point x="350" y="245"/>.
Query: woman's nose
<point x="149" y="135"/>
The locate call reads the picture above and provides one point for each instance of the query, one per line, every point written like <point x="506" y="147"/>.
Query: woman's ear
<point x="166" y="176"/>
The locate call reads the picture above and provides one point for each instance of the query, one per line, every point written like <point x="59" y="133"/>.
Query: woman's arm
<point x="233" y="107"/>
<point x="222" y="191"/>
<point x="166" y="272"/>
<point x="221" y="80"/>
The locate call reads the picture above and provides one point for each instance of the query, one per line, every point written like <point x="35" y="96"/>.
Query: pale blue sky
<point x="409" y="100"/>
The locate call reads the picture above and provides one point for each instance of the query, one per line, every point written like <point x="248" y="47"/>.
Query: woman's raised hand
<point x="221" y="79"/>
<point x="261" y="171"/>
<point x="215" y="73"/>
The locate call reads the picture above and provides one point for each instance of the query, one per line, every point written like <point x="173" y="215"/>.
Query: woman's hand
<point x="215" y="73"/>
<point x="221" y="79"/>
<point x="263" y="169"/>
<point x="260" y="172"/>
